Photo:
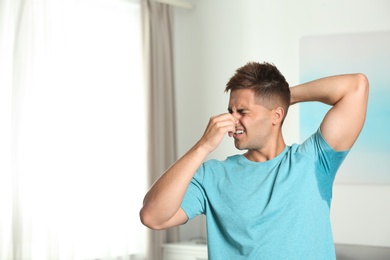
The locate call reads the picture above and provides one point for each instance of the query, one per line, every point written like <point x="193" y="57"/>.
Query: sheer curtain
<point x="72" y="130"/>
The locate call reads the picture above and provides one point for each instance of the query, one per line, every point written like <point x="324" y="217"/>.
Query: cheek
<point x="244" y="122"/>
<point x="257" y="122"/>
<point x="257" y="127"/>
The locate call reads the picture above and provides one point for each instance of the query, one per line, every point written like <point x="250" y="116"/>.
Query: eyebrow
<point x="240" y="110"/>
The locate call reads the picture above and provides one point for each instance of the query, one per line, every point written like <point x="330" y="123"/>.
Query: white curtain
<point x="72" y="130"/>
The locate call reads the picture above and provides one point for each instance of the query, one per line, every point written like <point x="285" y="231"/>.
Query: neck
<point x="266" y="153"/>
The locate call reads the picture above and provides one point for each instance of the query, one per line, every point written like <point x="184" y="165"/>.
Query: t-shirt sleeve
<point x="329" y="160"/>
<point x="194" y="200"/>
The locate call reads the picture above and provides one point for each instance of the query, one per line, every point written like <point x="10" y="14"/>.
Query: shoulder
<point x="314" y="143"/>
<point x="214" y="170"/>
<point x="318" y="150"/>
<point x="213" y="166"/>
<point x="318" y="143"/>
<point x="230" y="160"/>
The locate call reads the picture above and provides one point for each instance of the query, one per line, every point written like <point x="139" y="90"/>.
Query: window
<point x="74" y="130"/>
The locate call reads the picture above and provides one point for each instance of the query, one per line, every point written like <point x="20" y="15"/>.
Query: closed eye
<point x="240" y="111"/>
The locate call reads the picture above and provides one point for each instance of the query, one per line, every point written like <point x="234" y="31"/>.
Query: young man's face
<point x="254" y="120"/>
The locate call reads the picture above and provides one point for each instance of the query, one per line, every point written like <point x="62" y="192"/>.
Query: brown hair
<point x="270" y="87"/>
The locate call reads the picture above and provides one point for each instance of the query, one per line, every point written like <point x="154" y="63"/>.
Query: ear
<point x="277" y="115"/>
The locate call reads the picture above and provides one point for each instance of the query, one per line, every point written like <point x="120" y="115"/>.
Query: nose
<point x="236" y="116"/>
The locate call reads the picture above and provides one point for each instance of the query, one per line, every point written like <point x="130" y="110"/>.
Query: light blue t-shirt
<point x="278" y="209"/>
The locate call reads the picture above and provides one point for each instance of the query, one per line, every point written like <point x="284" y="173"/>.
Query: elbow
<point x="363" y="84"/>
<point x="358" y="89"/>
<point x="361" y="93"/>
<point x="148" y="220"/>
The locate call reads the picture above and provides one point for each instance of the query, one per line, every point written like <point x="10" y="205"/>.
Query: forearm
<point x="164" y="198"/>
<point x="328" y="90"/>
<point x="161" y="208"/>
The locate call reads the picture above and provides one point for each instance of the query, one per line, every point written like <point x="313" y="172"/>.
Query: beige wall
<point x="217" y="36"/>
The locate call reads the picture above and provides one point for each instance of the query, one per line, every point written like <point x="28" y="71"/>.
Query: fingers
<point x="220" y="125"/>
<point x="216" y="129"/>
<point x="225" y="123"/>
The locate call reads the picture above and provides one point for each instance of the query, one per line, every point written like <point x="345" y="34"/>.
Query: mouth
<point x="239" y="132"/>
<point x="236" y="133"/>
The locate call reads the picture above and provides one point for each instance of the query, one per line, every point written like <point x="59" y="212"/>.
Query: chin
<point x="238" y="146"/>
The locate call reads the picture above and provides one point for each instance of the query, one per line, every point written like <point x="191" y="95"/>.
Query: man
<point x="273" y="202"/>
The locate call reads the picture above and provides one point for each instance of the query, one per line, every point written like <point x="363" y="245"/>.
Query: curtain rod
<point x="177" y="3"/>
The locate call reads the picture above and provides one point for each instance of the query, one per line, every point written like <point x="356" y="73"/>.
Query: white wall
<point x="217" y="36"/>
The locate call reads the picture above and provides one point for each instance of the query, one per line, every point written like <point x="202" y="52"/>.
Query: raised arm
<point x="161" y="208"/>
<point x="348" y="96"/>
